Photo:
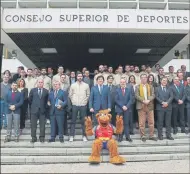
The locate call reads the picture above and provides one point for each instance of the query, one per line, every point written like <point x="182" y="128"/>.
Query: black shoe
<point x="17" y="139"/>
<point x="51" y="140"/>
<point x="160" y="137"/>
<point x="129" y="139"/>
<point x="170" y="138"/>
<point x="153" y="138"/>
<point x="131" y="133"/>
<point x="61" y="140"/>
<point x="184" y="131"/>
<point x="42" y="140"/>
<point x="7" y="139"/>
<point x="143" y="139"/>
<point x="33" y="140"/>
<point x="120" y="138"/>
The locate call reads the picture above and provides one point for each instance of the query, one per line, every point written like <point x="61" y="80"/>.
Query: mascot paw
<point x="117" y="160"/>
<point x="94" y="159"/>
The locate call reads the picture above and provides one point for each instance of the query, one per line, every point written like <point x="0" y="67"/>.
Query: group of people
<point x="161" y="99"/>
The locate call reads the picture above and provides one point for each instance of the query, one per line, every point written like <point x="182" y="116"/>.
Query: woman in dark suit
<point x="134" y="115"/>
<point x="24" y="91"/>
<point x="152" y="82"/>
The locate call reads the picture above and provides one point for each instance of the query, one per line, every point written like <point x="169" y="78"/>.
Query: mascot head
<point x="103" y="118"/>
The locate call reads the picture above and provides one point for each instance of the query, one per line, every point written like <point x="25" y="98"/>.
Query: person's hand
<point x="91" y="110"/>
<point x="12" y="107"/>
<point x="146" y="102"/>
<point x="180" y="102"/>
<point x="49" y="104"/>
<point x="124" y="108"/>
<point x="109" y="110"/>
<point x="58" y="106"/>
<point x="164" y="104"/>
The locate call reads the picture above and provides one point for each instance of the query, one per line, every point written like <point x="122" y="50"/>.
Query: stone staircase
<point x="25" y="152"/>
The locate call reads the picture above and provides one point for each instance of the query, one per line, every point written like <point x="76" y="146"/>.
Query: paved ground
<point x="133" y="167"/>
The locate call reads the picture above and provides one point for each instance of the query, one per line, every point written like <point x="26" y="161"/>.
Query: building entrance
<point x="76" y="50"/>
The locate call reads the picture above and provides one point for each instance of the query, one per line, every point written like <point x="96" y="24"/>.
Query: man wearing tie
<point x="178" y="105"/>
<point x="14" y="100"/>
<point x="144" y="95"/>
<point x="38" y="98"/>
<point x="57" y="101"/>
<point x="112" y="88"/>
<point x="99" y="98"/>
<point x="187" y="94"/>
<point x="123" y="100"/>
<point x="164" y="97"/>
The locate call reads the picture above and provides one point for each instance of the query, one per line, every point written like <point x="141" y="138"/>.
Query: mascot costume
<point x="103" y="137"/>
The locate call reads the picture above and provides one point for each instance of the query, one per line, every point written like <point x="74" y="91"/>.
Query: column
<point x="1" y="54"/>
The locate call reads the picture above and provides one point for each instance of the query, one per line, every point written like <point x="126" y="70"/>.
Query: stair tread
<point x="82" y="144"/>
<point x="87" y="150"/>
<point x="77" y="159"/>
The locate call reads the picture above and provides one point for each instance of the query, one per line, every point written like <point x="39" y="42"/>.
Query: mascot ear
<point x="110" y="116"/>
<point x="97" y="115"/>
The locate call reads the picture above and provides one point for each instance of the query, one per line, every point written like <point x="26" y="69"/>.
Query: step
<point x="27" y="131"/>
<point x="81" y="144"/>
<point x="37" y="151"/>
<point x="27" y="137"/>
<point x="10" y="160"/>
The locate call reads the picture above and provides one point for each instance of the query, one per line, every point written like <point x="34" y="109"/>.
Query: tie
<point x="123" y="91"/>
<point x="40" y="92"/>
<point x="164" y="89"/>
<point x="110" y="87"/>
<point x="13" y="96"/>
<point x="55" y="94"/>
<point x="101" y="89"/>
<point x="177" y="87"/>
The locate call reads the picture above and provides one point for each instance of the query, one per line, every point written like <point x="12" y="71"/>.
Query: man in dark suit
<point x="164" y="97"/>
<point x="99" y="98"/>
<point x="112" y="89"/>
<point x="14" y="100"/>
<point x="185" y="73"/>
<point x="72" y="77"/>
<point x="178" y="105"/>
<point x="38" y="98"/>
<point x="87" y="79"/>
<point x="17" y="75"/>
<point x="57" y="101"/>
<point x="187" y="94"/>
<point x="123" y="100"/>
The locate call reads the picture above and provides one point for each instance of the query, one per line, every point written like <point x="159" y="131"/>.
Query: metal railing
<point x="110" y="4"/>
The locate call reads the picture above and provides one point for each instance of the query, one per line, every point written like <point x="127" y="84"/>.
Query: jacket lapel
<point x="97" y="88"/>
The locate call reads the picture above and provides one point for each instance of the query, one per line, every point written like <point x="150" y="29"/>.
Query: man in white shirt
<point x="79" y="94"/>
<point x="30" y="84"/>
<point x="47" y="80"/>
<point x="119" y="75"/>
<point x="101" y="73"/>
<point x="57" y="77"/>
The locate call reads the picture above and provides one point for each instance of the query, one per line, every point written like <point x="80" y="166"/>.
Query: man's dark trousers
<point x="34" y="118"/>
<point x="57" y="120"/>
<point x="161" y="115"/>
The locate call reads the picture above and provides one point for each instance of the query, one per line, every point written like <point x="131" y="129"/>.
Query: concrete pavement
<point x="176" y="166"/>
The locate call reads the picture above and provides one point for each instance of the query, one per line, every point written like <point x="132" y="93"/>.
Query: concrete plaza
<point x="172" y="166"/>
